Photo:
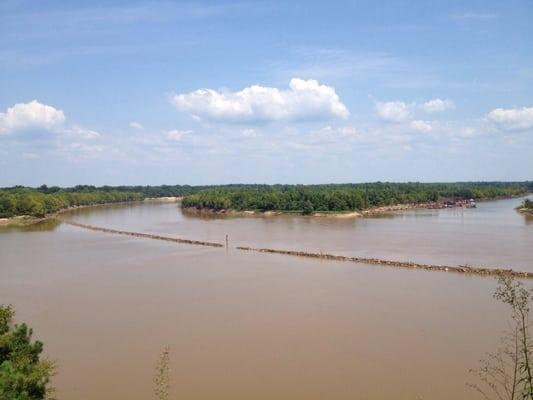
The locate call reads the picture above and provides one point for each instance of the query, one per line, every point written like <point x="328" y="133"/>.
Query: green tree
<point x="24" y="375"/>
<point x="7" y="205"/>
<point x="307" y="208"/>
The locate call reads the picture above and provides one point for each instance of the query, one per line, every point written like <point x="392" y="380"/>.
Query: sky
<point x="173" y="92"/>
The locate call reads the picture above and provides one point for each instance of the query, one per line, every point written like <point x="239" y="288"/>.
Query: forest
<point x="43" y="200"/>
<point x="35" y="203"/>
<point x="307" y="199"/>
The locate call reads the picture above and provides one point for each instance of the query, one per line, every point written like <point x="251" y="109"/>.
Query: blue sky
<point x="151" y="92"/>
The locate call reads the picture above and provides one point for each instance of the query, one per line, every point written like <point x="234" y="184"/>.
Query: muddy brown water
<point x="263" y="326"/>
<point x="492" y="234"/>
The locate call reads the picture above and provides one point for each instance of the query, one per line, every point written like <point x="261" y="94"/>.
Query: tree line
<point x="43" y="200"/>
<point x="27" y="201"/>
<point x="345" y="197"/>
<point x="147" y="191"/>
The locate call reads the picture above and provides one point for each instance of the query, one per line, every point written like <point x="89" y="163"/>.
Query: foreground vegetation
<point x="345" y="197"/>
<point x="24" y="375"/>
<point x="507" y="373"/>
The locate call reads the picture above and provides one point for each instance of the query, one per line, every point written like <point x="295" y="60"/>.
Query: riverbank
<point x="168" y="199"/>
<point x="21" y="220"/>
<point x="322" y="214"/>
<point x="525" y="211"/>
<point x="526" y="207"/>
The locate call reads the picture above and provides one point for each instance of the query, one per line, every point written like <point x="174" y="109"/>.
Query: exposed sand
<point x="169" y="199"/>
<point x="525" y="211"/>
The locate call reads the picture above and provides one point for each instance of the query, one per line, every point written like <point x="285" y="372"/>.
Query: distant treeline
<point x="345" y="197"/>
<point x="147" y="191"/>
<point x="38" y="202"/>
<point x="43" y="200"/>
<point x="35" y="203"/>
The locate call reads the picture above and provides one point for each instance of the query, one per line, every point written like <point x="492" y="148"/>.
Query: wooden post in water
<point x="227" y="242"/>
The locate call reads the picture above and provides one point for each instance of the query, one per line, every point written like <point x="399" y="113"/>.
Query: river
<point x="264" y="326"/>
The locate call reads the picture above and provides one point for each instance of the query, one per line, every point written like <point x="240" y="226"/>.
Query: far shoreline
<point x="319" y="214"/>
<point x="375" y="211"/>
<point x="26" y="220"/>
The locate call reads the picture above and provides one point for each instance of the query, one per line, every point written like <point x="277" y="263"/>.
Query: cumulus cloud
<point x="392" y="111"/>
<point x="512" y="118"/>
<point x="421" y="126"/>
<point x="304" y="99"/>
<point x="436" y="105"/>
<point x="30" y="115"/>
<point x="399" y="111"/>
<point x="136" y="125"/>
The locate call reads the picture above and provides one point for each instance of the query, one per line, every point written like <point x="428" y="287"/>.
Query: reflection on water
<point x="41" y="226"/>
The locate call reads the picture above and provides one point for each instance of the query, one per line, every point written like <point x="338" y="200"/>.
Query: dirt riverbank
<point x="525" y="211"/>
<point x="347" y="214"/>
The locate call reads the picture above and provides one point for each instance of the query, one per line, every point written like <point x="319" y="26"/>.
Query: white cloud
<point x="30" y="115"/>
<point x="337" y="133"/>
<point x="305" y="99"/>
<point x="421" y="126"/>
<point x="333" y="63"/>
<point x="81" y="133"/>
<point x="436" y="105"/>
<point x="136" y="125"/>
<point x="399" y="111"/>
<point x="512" y="118"/>
<point x="392" y="111"/>
<point x="176" y="135"/>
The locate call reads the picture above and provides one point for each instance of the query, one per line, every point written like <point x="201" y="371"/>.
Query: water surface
<point x="259" y="326"/>
<point x="493" y="234"/>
